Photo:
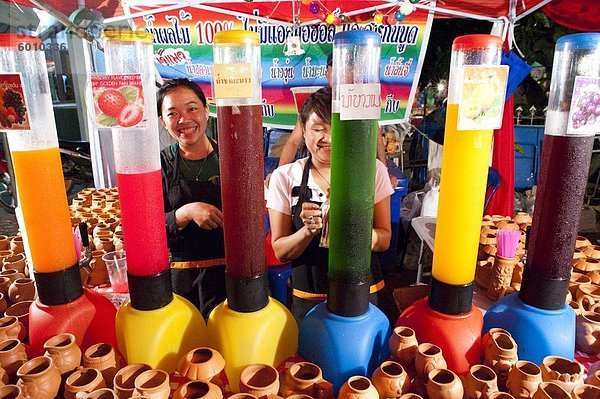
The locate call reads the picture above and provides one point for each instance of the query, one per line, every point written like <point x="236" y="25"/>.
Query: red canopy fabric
<point x="108" y="8"/>
<point x="583" y="15"/>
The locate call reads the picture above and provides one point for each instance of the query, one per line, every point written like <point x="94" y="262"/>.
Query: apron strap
<point x="304" y="195"/>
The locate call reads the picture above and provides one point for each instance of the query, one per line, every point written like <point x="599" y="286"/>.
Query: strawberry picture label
<point x="584" y="114"/>
<point x="13" y="110"/>
<point x="119" y="101"/>
<point x="481" y="97"/>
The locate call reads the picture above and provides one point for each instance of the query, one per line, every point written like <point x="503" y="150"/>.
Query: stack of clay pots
<point x="17" y="290"/>
<point x="488" y="247"/>
<point x="100" y="209"/>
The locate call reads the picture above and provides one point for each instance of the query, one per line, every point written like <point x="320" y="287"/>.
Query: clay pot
<point x="4" y="284"/>
<point x="517" y="276"/>
<point x="591" y="251"/>
<point x="104" y="243"/>
<point x="501" y="277"/>
<point x="103" y="393"/>
<point x="524" y="379"/>
<point x="16" y="261"/>
<point x="411" y="396"/>
<point x="201" y="364"/>
<point x="3" y="303"/>
<point x="153" y="384"/>
<point x="125" y="378"/>
<point x="4" y="242"/>
<point x="358" y="387"/>
<point x="65" y="352"/>
<point x="585" y="265"/>
<point x="500" y="354"/>
<point x="39" y="378"/>
<point x="260" y="380"/>
<point x="429" y="357"/>
<point x="83" y="380"/>
<point x="498" y="218"/>
<point x="593" y="378"/>
<point x="12" y="274"/>
<point x="562" y="371"/>
<point x="501" y="395"/>
<point x="594" y="276"/>
<point x="16" y="245"/>
<point x="576" y="308"/>
<point x="586" y="392"/>
<point x="197" y="390"/>
<point x="587" y="330"/>
<point x="483" y="273"/>
<point x="11" y="392"/>
<point x="489" y="250"/>
<point x="489" y="229"/>
<point x="508" y="225"/>
<point x="118" y="241"/>
<point x="578" y="254"/>
<point x="11" y="328"/>
<point x="487" y="239"/>
<point x="99" y="274"/>
<point x="551" y="390"/>
<point x="522" y="217"/>
<point x="103" y="358"/>
<point x="444" y="384"/>
<point x="306" y="378"/>
<point x="582" y="242"/>
<point x="3" y="377"/>
<point x="480" y="382"/>
<point x="22" y="289"/>
<point x="390" y="380"/>
<point x="588" y="296"/>
<point x="21" y="311"/>
<point x="576" y="280"/>
<point x="12" y="356"/>
<point x="403" y="346"/>
<point x="5" y="254"/>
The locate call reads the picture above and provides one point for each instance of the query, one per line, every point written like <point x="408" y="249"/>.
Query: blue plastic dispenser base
<point x="538" y="332"/>
<point x="344" y="346"/>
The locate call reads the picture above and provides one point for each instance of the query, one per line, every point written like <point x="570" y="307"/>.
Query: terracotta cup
<point x="586" y="392"/>
<point x="587" y="329"/>
<point x="551" y="390"/>
<point x="480" y="383"/>
<point x="16" y="261"/>
<point x="444" y="384"/>
<point x="103" y="393"/>
<point x="21" y="311"/>
<point x="11" y="392"/>
<point x="358" y="387"/>
<point x="84" y="380"/>
<point x="562" y="371"/>
<point x="4" y="242"/>
<point x="4" y="284"/>
<point x="12" y="274"/>
<point x="16" y="245"/>
<point x="201" y="364"/>
<point x="22" y="289"/>
<point x="12" y="356"/>
<point x="39" y="378"/>
<point x="102" y="357"/>
<point x="593" y="378"/>
<point x="198" y="390"/>
<point x="154" y="384"/>
<point x="524" y="379"/>
<point x="260" y="380"/>
<point x="403" y="345"/>
<point x="65" y="352"/>
<point x="305" y="378"/>
<point x="428" y="357"/>
<point x="391" y="380"/>
<point x="501" y="395"/>
<point x="11" y="328"/>
<point x="125" y="378"/>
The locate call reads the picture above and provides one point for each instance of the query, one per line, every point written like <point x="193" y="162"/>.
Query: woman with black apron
<point x="192" y="196"/>
<point x="296" y="194"/>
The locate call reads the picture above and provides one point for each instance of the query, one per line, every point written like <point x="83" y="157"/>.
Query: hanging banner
<point x="183" y="48"/>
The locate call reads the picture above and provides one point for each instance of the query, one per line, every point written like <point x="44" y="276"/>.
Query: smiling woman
<point x="192" y="196"/>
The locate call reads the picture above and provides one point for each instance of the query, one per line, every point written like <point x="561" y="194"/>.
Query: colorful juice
<point x="43" y="202"/>
<point x="562" y="181"/>
<point x="241" y="164"/>
<point x="353" y="150"/>
<point x="462" y="196"/>
<point x="143" y="220"/>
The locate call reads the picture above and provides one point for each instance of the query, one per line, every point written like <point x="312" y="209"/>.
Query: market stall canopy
<point x="583" y="15"/>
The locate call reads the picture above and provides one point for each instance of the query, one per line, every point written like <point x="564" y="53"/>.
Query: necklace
<point x="185" y="163"/>
<point x="321" y="174"/>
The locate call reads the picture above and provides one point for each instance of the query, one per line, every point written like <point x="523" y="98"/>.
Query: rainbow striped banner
<point x="183" y="48"/>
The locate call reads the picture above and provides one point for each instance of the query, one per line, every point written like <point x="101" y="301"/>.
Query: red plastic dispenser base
<point x="91" y="318"/>
<point x="459" y="336"/>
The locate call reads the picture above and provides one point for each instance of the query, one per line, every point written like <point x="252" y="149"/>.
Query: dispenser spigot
<point x="86" y="253"/>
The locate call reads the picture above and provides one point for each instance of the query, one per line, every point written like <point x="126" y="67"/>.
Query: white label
<point x="481" y="97"/>
<point x="584" y="114"/>
<point x="360" y="101"/>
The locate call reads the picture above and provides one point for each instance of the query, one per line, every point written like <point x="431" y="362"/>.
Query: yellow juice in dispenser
<point x="466" y="160"/>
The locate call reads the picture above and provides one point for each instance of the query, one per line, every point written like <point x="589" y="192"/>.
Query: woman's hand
<point x="311" y="217"/>
<point x="206" y="216"/>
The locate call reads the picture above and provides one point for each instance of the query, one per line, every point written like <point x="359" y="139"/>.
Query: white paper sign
<point x="360" y="101"/>
<point x="584" y="115"/>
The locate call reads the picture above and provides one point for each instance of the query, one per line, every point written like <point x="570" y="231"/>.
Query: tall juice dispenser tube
<point x="347" y="319"/>
<point x="27" y="115"/>
<point x="447" y="317"/>
<point x="249" y="327"/>
<point x="155" y="324"/>
<point x="537" y="316"/>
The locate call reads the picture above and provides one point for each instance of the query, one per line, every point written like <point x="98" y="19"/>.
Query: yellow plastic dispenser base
<point x="269" y="336"/>
<point x="159" y="338"/>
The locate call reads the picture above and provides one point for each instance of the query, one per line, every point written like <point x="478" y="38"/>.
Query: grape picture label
<point x="13" y="110"/>
<point x="481" y="97"/>
<point x="119" y="101"/>
<point x="584" y="114"/>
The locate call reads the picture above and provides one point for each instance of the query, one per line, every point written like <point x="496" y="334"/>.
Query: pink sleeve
<point x="383" y="186"/>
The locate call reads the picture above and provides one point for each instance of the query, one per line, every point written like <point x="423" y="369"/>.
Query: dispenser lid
<point x="128" y="35"/>
<point x="356" y="37"/>
<point x="475" y="42"/>
<point x="236" y="37"/>
<point x="579" y="40"/>
<point x="14" y="39"/>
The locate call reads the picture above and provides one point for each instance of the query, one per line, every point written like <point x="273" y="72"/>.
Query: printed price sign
<point x="232" y="81"/>
<point x="13" y="110"/>
<point x="482" y="95"/>
<point x="359" y="101"/>
<point x="584" y="115"/>
<point x="119" y="101"/>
